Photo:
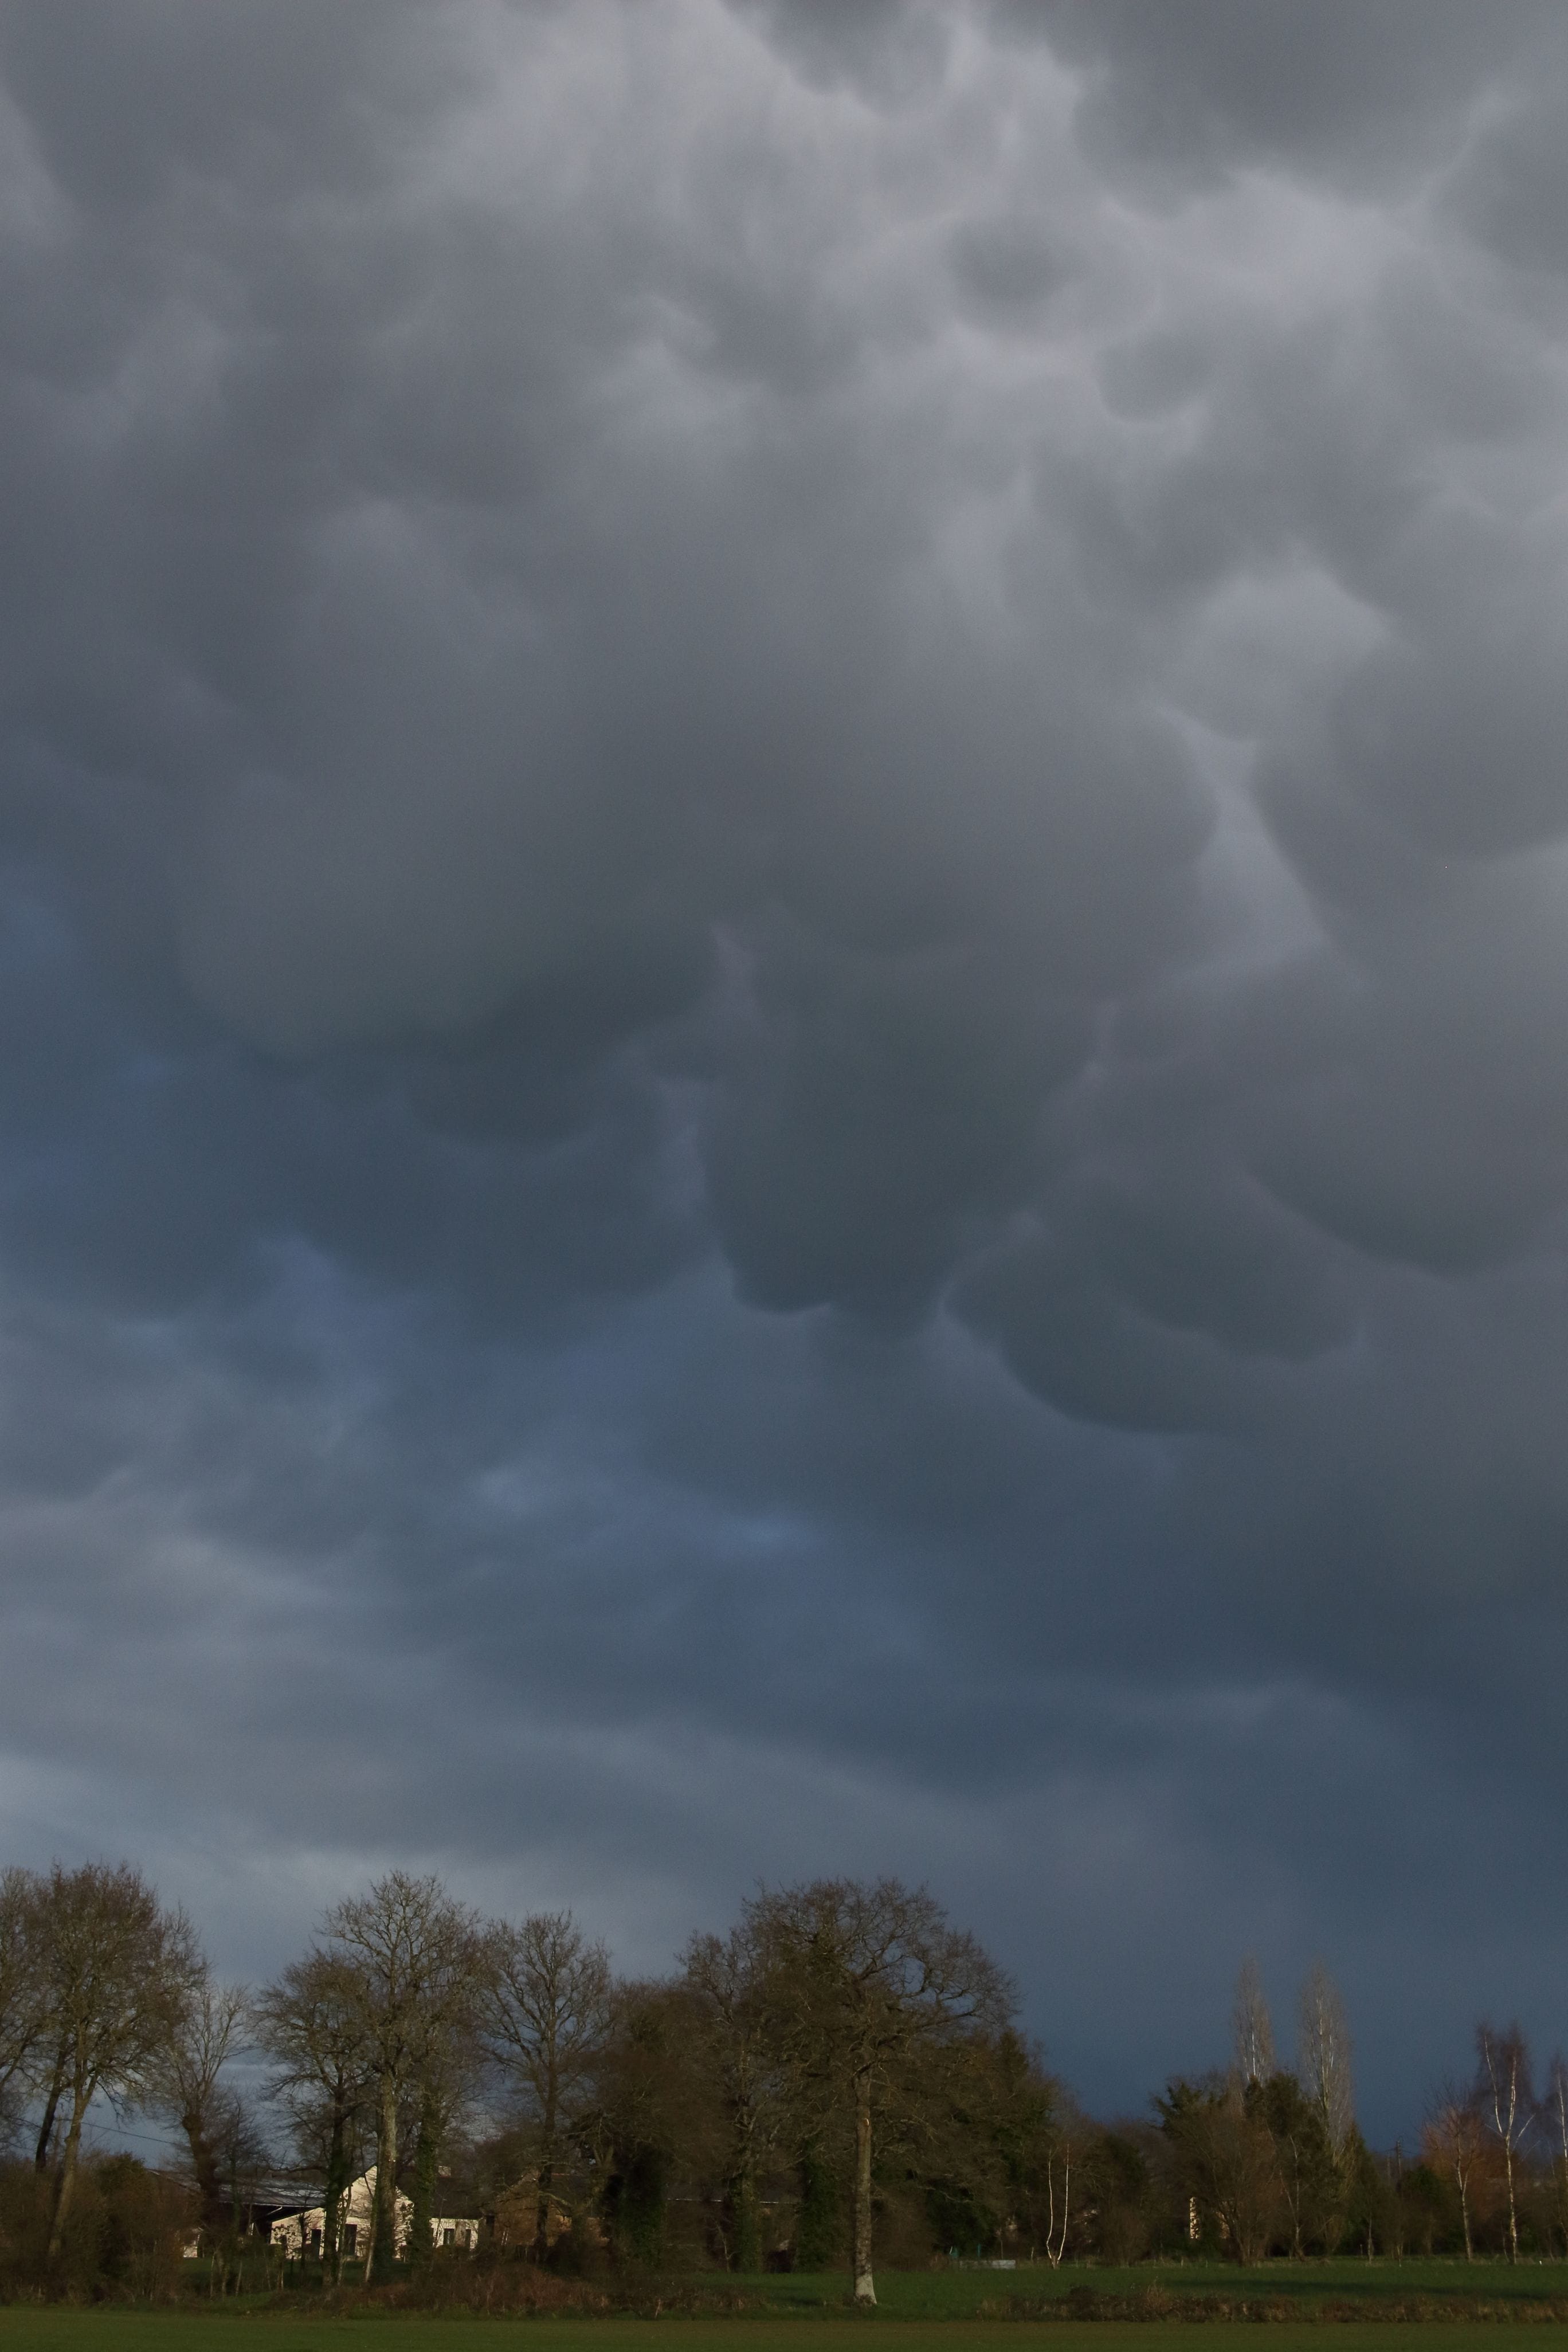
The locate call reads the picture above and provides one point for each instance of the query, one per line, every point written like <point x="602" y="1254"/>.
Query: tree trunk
<point x="860" y="2218"/>
<point x="51" y="2108"/>
<point x="1465" y="2218"/>
<point x="1055" y="2258"/>
<point x="1512" y="2216"/>
<point x="67" y="2174"/>
<point x="382" y="2257"/>
<point x="545" y="2181"/>
<point x="741" y="2188"/>
<point x="816" y="2236"/>
<point x="745" y="2233"/>
<point x="203" y="2163"/>
<point x="332" y="2207"/>
<point x="419" y="2237"/>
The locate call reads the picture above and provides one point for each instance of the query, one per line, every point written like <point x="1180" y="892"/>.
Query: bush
<point x="123" y="2238"/>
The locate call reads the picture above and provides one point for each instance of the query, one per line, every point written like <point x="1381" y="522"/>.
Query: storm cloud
<point x="783" y="834"/>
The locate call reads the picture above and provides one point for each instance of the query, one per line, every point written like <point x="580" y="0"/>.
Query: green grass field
<point x="106" y="2330"/>
<point x="1364" y="2307"/>
<point x="1304" y="2286"/>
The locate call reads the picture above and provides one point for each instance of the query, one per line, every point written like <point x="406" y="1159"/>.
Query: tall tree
<point x="545" y="2011"/>
<point x="1224" y="2159"/>
<point x="1554" y="2110"/>
<point x="1252" y="2032"/>
<point x="414" y="1965"/>
<point x="310" y="2024"/>
<point x="860" y="1975"/>
<point x="186" y="2080"/>
<point x="441" y="2092"/>
<point x="1310" y="2182"/>
<point x="1452" y="2141"/>
<point x="24" y="1991"/>
<point x="119" y="1972"/>
<point x="728" y="1981"/>
<point x="1324" y="2059"/>
<point x="1507" y="2105"/>
<point x="643" y="2118"/>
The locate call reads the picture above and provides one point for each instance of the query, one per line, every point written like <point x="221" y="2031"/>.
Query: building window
<point x="350" y="2238"/>
<point x="315" y="2242"/>
<point x="449" y="2237"/>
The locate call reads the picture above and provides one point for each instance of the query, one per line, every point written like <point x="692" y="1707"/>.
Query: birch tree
<point x="1324" y="2059"/>
<point x="1452" y="2143"/>
<point x="1252" y="2033"/>
<point x="1555" y="2111"/>
<point x="860" y="1978"/>
<point x="1061" y="2145"/>
<point x="1508" y="2106"/>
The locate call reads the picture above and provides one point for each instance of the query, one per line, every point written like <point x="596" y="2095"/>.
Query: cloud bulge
<point x="783" y="805"/>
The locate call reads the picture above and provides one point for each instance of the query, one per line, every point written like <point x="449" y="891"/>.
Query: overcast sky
<point x="783" y="1058"/>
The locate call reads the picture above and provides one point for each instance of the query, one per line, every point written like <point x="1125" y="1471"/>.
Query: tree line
<point x="842" y="2079"/>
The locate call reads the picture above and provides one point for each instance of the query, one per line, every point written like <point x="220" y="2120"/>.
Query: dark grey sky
<point x="784" y="886"/>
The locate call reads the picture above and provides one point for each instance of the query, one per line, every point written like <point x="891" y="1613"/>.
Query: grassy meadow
<point x="1315" y="2289"/>
<point x="1369" y="2307"/>
<point x="109" y="2329"/>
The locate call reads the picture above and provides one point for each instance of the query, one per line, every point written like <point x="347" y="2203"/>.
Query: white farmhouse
<point x="299" y="2233"/>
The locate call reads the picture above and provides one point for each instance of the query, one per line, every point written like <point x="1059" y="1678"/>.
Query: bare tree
<point x="1063" y="2137"/>
<point x="1324" y="2059"/>
<point x="414" y="1965"/>
<point x="442" y="2090"/>
<point x="545" y="2009"/>
<point x="1555" y="2111"/>
<point x="860" y="1975"/>
<point x="1252" y="2032"/>
<point x="119" y="1972"/>
<point x="728" y="1981"/>
<point x="310" y="2025"/>
<point x="1452" y="2142"/>
<point x="241" y="2152"/>
<point x="1507" y="2102"/>
<point x="22" y="1991"/>
<point x="184" y="2079"/>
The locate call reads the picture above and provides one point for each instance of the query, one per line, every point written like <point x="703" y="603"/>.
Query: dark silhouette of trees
<point x="837" y="2078"/>
<point x="1310" y="2184"/>
<point x="1224" y="2161"/>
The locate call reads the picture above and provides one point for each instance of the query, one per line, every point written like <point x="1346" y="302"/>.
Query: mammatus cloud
<point x="783" y="798"/>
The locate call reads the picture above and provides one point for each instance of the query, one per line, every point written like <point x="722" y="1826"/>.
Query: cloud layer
<point x="784" y="810"/>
